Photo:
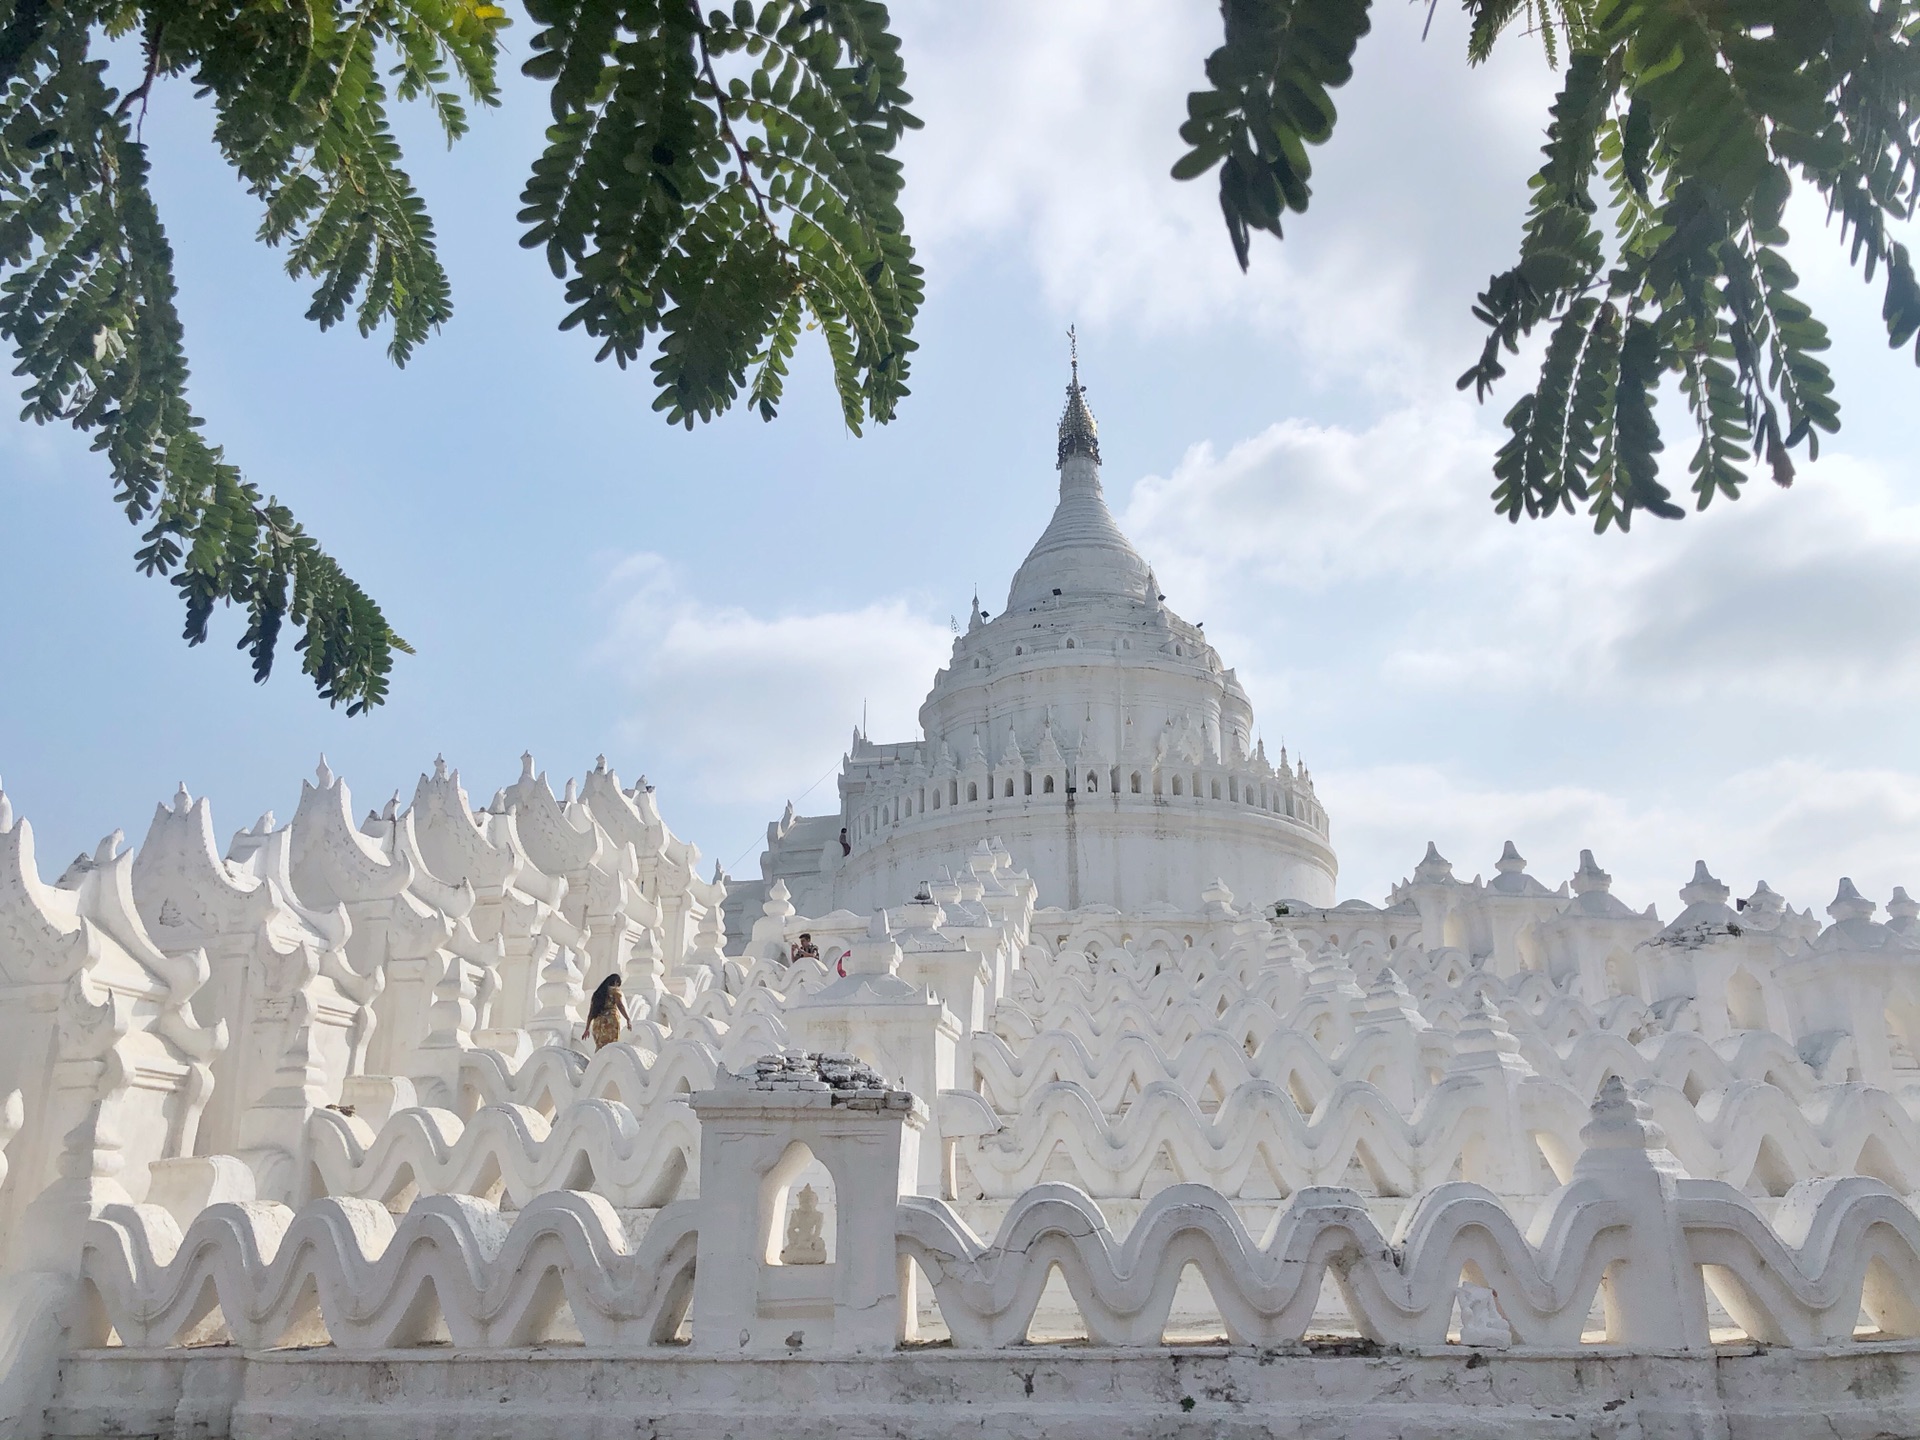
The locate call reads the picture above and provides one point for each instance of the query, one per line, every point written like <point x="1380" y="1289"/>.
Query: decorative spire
<point x="1850" y="904"/>
<point x="1703" y="889"/>
<point x="1590" y="878"/>
<point x="1434" y="868"/>
<point x="1079" y="432"/>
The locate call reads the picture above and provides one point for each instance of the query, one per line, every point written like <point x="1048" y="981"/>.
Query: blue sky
<point x="714" y="608"/>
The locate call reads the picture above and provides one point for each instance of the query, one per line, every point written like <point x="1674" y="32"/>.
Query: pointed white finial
<point x="109" y="848"/>
<point x="440" y="767"/>
<point x="572" y="792"/>
<point x="6" y="810"/>
<point x="600" y="763"/>
<point x="1850" y="904"/>
<point x="1621" y="1120"/>
<point x="1703" y="888"/>
<point x="323" y="773"/>
<point x="1433" y="865"/>
<point x="182" y="801"/>
<point x="1590" y="877"/>
<point x="526" y="764"/>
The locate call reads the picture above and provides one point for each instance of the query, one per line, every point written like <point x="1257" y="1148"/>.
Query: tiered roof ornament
<point x="1079" y="431"/>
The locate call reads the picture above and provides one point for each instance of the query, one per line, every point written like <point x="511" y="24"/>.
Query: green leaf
<point x="1268" y="102"/>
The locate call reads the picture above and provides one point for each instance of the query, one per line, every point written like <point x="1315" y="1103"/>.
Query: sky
<point x="718" y="609"/>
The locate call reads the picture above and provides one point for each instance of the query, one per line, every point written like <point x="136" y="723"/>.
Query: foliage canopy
<point x="716" y="182"/>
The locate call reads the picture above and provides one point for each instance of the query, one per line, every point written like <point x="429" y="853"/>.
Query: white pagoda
<point x="1088" y="727"/>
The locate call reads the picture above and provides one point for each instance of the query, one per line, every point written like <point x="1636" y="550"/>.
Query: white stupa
<point x="1088" y="728"/>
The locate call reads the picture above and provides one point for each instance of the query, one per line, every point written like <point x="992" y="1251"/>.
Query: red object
<point x="840" y="965"/>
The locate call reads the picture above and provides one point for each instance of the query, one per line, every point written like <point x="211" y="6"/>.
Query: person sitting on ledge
<point x="803" y="949"/>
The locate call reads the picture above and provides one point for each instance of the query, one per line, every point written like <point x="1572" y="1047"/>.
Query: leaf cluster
<point x="1654" y="242"/>
<point x="1268" y="102"/>
<point x="722" y="180"/>
<point x="87" y="299"/>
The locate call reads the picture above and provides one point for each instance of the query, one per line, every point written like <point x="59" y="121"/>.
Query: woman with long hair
<point x="606" y="1012"/>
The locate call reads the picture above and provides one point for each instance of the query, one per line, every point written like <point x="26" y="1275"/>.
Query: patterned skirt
<point x="605" y="1029"/>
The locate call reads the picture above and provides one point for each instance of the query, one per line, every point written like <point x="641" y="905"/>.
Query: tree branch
<point x="726" y="132"/>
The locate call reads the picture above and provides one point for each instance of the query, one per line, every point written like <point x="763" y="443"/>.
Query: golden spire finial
<point x="1079" y="434"/>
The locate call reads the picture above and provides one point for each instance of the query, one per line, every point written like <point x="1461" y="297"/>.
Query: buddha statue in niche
<point x="806" y="1231"/>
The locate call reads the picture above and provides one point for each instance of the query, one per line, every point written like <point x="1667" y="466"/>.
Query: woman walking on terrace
<point x="606" y="1013"/>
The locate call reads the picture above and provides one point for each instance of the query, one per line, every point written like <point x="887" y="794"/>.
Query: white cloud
<point x="1805" y="593"/>
<point x="1799" y="596"/>
<point x="1052" y="129"/>
<point x="738" y="707"/>
<point x="1311" y="506"/>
